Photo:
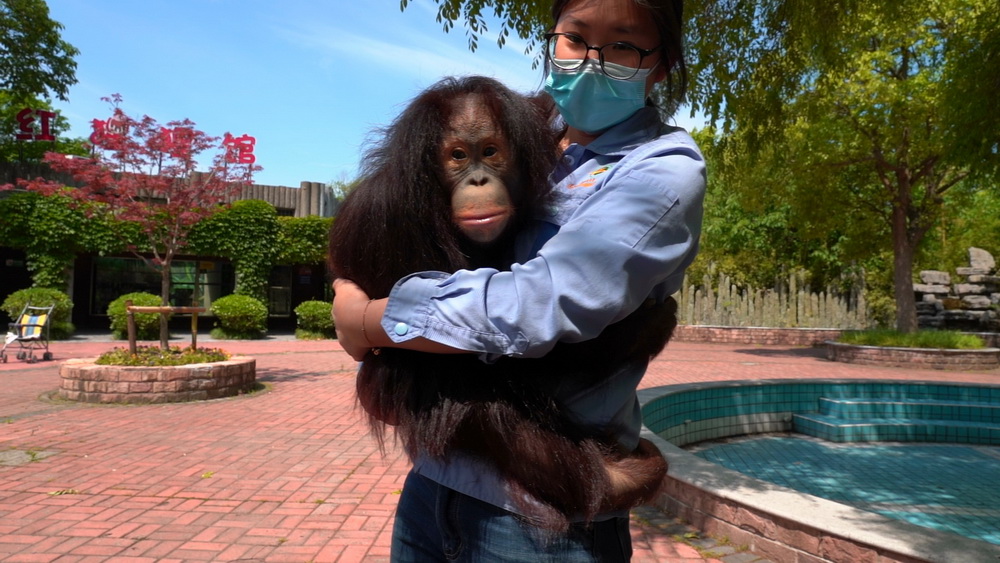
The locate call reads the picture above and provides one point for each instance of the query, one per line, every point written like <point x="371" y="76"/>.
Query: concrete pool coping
<point x="787" y="525"/>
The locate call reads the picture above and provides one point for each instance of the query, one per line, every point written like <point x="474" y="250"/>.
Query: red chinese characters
<point x="107" y="130"/>
<point x="26" y="125"/>
<point x="239" y="149"/>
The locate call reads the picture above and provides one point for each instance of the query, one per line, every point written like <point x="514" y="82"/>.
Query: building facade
<point x="95" y="281"/>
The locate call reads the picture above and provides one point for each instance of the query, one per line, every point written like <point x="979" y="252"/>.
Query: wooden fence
<point x="788" y="306"/>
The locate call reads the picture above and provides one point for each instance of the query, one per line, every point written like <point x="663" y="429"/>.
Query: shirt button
<point x="401" y="328"/>
<point x="568" y="160"/>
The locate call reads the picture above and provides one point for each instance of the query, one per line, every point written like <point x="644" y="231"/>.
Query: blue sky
<point x="310" y="80"/>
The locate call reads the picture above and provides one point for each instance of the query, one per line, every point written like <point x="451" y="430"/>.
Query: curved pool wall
<point x="777" y="522"/>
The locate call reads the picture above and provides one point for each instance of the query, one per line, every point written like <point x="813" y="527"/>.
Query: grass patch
<point x="306" y="334"/>
<point x="220" y="333"/>
<point x="153" y="356"/>
<point x="943" y="339"/>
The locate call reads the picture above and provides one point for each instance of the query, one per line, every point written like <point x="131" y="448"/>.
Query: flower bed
<point x="85" y="381"/>
<point x="764" y="336"/>
<point x="926" y="358"/>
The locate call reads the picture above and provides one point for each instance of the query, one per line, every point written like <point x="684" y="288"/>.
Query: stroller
<point x="31" y="333"/>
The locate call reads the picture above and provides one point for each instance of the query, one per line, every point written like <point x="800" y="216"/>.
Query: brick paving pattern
<point x="285" y="474"/>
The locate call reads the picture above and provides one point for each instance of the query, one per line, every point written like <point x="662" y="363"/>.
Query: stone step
<point x="836" y="429"/>
<point x="923" y="409"/>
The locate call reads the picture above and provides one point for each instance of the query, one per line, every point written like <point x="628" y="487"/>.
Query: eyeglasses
<point x="619" y="60"/>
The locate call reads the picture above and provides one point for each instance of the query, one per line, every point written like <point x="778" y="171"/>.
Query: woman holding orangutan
<point x="624" y="226"/>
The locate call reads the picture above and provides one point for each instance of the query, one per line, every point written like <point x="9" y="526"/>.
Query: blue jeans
<point x="435" y="523"/>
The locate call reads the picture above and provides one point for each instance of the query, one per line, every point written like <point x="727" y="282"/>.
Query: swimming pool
<point x="774" y="518"/>
<point x="949" y="487"/>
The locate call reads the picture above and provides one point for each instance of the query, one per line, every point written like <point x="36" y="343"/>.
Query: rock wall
<point x="967" y="303"/>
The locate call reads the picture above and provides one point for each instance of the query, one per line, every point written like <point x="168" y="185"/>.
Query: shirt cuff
<point x="405" y="316"/>
<point x="432" y="306"/>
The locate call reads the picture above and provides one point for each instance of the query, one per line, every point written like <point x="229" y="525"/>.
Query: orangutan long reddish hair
<point x="451" y="182"/>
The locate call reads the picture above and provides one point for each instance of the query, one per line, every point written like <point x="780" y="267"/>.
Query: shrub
<point x="147" y="325"/>
<point x="303" y="240"/>
<point x="946" y="339"/>
<point x="239" y="317"/>
<point x="155" y="356"/>
<point x="313" y="320"/>
<point x="60" y="327"/>
<point x="247" y="232"/>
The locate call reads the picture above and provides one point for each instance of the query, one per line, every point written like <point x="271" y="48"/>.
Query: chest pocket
<point x="574" y="189"/>
<point x="564" y="201"/>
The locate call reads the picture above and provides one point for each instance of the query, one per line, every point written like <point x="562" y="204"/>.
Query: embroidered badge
<point x="591" y="178"/>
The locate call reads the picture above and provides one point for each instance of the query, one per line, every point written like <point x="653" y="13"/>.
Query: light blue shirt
<point x="624" y="224"/>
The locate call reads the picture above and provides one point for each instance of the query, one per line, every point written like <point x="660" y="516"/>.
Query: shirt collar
<point x="642" y="127"/>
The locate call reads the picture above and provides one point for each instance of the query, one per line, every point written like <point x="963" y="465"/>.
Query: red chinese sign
<point x="105" y="130"/>
<point x="239" y="149"/>
<point x="26" y="125"/>
<point x="177" y="141"/>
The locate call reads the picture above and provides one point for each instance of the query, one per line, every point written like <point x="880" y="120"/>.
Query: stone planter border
<point x="85" y="381"/>
<point x="764" y="336"/>
<point x="925" y="358"/>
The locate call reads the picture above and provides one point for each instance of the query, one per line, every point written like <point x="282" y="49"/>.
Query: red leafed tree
<point x="145" y="173"/>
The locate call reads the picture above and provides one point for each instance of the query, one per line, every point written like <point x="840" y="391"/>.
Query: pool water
<point x="949" y="487"/>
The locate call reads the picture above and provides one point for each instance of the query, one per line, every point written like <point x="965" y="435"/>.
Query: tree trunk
<point x="164" y="301"/>
<point x="902" y="272"/>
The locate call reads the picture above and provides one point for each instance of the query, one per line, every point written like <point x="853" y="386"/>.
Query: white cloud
<point x="421" y="57"/>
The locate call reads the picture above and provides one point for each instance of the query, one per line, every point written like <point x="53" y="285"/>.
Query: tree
<point x="856" y="98"/>
<point x="339" y="190"/>
<point x="973" y="80"/>
<point x="18" y="117"/>
<point x="144" y="174"/>
<point x="526" y="18"/>
<point x="973" y="220"/>
<point x="754" y="235"/>
<point x="34" y="59"/>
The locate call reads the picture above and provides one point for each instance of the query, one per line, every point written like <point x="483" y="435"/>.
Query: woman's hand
<point x="349" y="304"/>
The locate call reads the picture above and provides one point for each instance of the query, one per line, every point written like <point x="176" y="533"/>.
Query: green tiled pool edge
<point x="775" y="521"/>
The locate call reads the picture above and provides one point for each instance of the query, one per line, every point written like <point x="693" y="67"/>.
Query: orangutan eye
<point x="459" y="154"/>
<point x="490" y="151"/>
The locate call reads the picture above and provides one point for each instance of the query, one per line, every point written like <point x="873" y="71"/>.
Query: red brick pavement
<point x="286" y="474"/>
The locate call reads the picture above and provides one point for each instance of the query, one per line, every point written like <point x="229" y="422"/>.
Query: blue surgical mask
<point x="590" y="100"/>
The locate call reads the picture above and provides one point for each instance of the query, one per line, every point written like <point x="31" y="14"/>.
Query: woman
<point x="624" y="226"/>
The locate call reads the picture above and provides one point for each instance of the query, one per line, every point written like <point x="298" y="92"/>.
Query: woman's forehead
<point x="618" y="16"/>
